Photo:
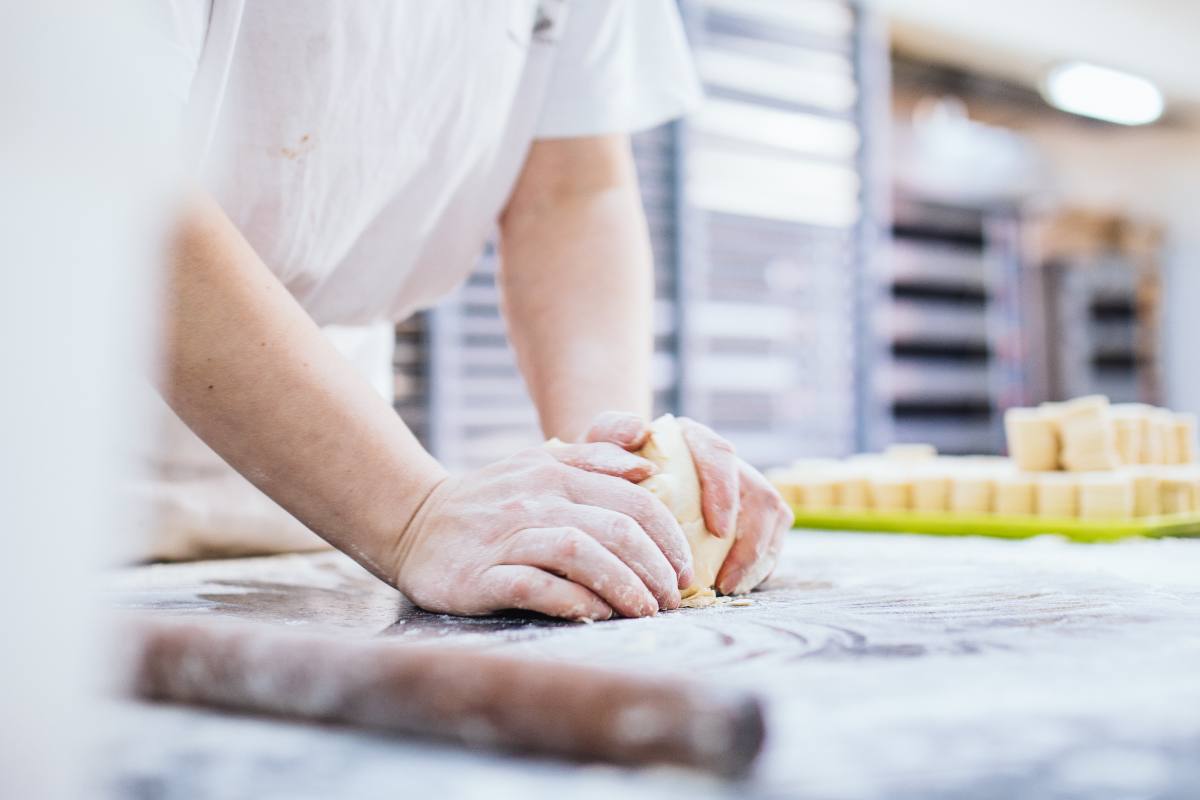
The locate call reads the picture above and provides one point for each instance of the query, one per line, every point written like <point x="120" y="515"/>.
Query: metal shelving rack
<point x="950" y="330"/>
<point x="760" y="218"/>
<point x="476" y="404"/>
<point x="410" y="365"/>
<point x="772" y="204"/>
<point x="1101" y="291"/>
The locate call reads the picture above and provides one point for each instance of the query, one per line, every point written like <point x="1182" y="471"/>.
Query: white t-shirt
<point x="366" y="149"/>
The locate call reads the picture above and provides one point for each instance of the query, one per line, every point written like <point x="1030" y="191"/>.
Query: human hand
<point x="736" y="499"/>
<point x="562" y="531"/>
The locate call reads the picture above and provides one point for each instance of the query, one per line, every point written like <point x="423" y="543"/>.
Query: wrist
<point x="403" y="533"/>
<point x="575" y="426"/>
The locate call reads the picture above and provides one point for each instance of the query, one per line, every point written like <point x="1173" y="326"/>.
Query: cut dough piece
<point x="1164" y="427"/>
<point x="1178" y="491"/>
<point x="1185" y="437"/>
<point x="1032" y="439"/>
<point x="890" y="493"/>
<point x="1057" y="495"/>
<point x="1015" y="495"/>
<point x="678" y="486"/>
<point x="802" y="489"/>
<point x="971" y="494"/>
<point x="910" y="452"/>
<point x="1149" y="444"/>
<point x="931" y="492"/>
<point x="1106" y="495"/>
<point x="816" y="493"/>
<point x="1086" y="432"/>
<point x="1146" y="502"/>
<point x="1152" y="448"/>
<point x="1127" y="432"/>
<point x="851" y="493"/>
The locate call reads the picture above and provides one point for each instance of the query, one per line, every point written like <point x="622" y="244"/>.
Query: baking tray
<point x="1007" y="527"/>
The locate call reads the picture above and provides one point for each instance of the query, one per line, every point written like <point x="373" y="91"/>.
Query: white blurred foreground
<point x="83" y="196"/>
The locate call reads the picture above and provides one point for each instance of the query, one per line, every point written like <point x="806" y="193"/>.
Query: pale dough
<point x="930" y="492"/>
<point x="1015" y="495"/>
<point x="1106" y="495"/>
<point x="1032" y="438"/>
<point x="1085" y="429"/>
<point x="677" y="485"/>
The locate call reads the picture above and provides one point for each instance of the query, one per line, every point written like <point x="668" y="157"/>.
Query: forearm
<point x="577" y="285"/>
<point x="251" y="373"/>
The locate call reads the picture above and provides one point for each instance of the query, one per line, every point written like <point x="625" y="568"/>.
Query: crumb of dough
<point x="708" y="598"/>
<point x="701" y="599"/>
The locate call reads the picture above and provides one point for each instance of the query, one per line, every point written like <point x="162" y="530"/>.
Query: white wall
<point x="1151" y="173"/>
<point x="1017" y="39"/>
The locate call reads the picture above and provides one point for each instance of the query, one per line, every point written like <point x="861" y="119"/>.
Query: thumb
<point x="605" y="458"/>
<point x="620" y="428"/>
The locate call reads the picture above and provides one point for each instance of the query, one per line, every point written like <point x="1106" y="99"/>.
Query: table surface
<point x="890" y="665"/>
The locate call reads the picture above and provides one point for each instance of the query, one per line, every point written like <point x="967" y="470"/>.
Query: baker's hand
<point x="561" y="531"/>
<point x="735" y="498"/>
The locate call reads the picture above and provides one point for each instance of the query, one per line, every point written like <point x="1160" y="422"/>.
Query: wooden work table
<point x="891" y="666"/>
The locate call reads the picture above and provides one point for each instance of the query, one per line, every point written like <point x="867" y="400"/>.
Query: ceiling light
<point x="1102" y="93"/>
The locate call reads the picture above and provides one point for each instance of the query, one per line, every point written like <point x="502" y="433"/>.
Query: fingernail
<point x="687" y="577"/>
<point x="629" y="429"/>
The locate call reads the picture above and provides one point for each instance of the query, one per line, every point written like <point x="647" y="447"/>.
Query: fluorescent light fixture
<point x="1102" y="93"/>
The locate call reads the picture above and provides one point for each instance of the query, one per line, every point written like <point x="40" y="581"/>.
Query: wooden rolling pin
<point x="457" y="694"/>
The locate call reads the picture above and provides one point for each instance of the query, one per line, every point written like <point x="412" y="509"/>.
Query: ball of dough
<point x="678" y="485"/>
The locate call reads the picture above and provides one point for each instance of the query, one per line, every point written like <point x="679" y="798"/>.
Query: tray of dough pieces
<point x="1083" y="469"/>
<point x="1004" y="526"/>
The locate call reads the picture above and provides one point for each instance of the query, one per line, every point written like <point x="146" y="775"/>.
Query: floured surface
<point x="892" y="666"/>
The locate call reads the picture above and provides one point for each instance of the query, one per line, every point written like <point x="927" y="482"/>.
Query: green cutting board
<point x="1008" y="527"/>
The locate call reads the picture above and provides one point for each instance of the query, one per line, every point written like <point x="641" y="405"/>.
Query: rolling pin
<point x="456" y="694"/>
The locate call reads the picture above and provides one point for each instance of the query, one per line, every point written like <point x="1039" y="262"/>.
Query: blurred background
<point x="889" y="222"/>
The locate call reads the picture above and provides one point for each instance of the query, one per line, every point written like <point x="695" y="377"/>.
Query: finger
<point x="590" y="489"/>
<point x="605" y="458"/>
<point x="572" y="554"/>
<point x="762" y="524"/>
<point x="621" y="428"/>
<point x="625" y="539"/>
<point x="531" y="589"/>
<point x="717" y="467"/>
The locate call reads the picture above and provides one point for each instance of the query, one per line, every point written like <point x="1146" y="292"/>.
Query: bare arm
<point x="251" y="373"/>
<point x="577" y="282"/>
<point x="564" y="533"/>
<point x="577" y="286"/>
